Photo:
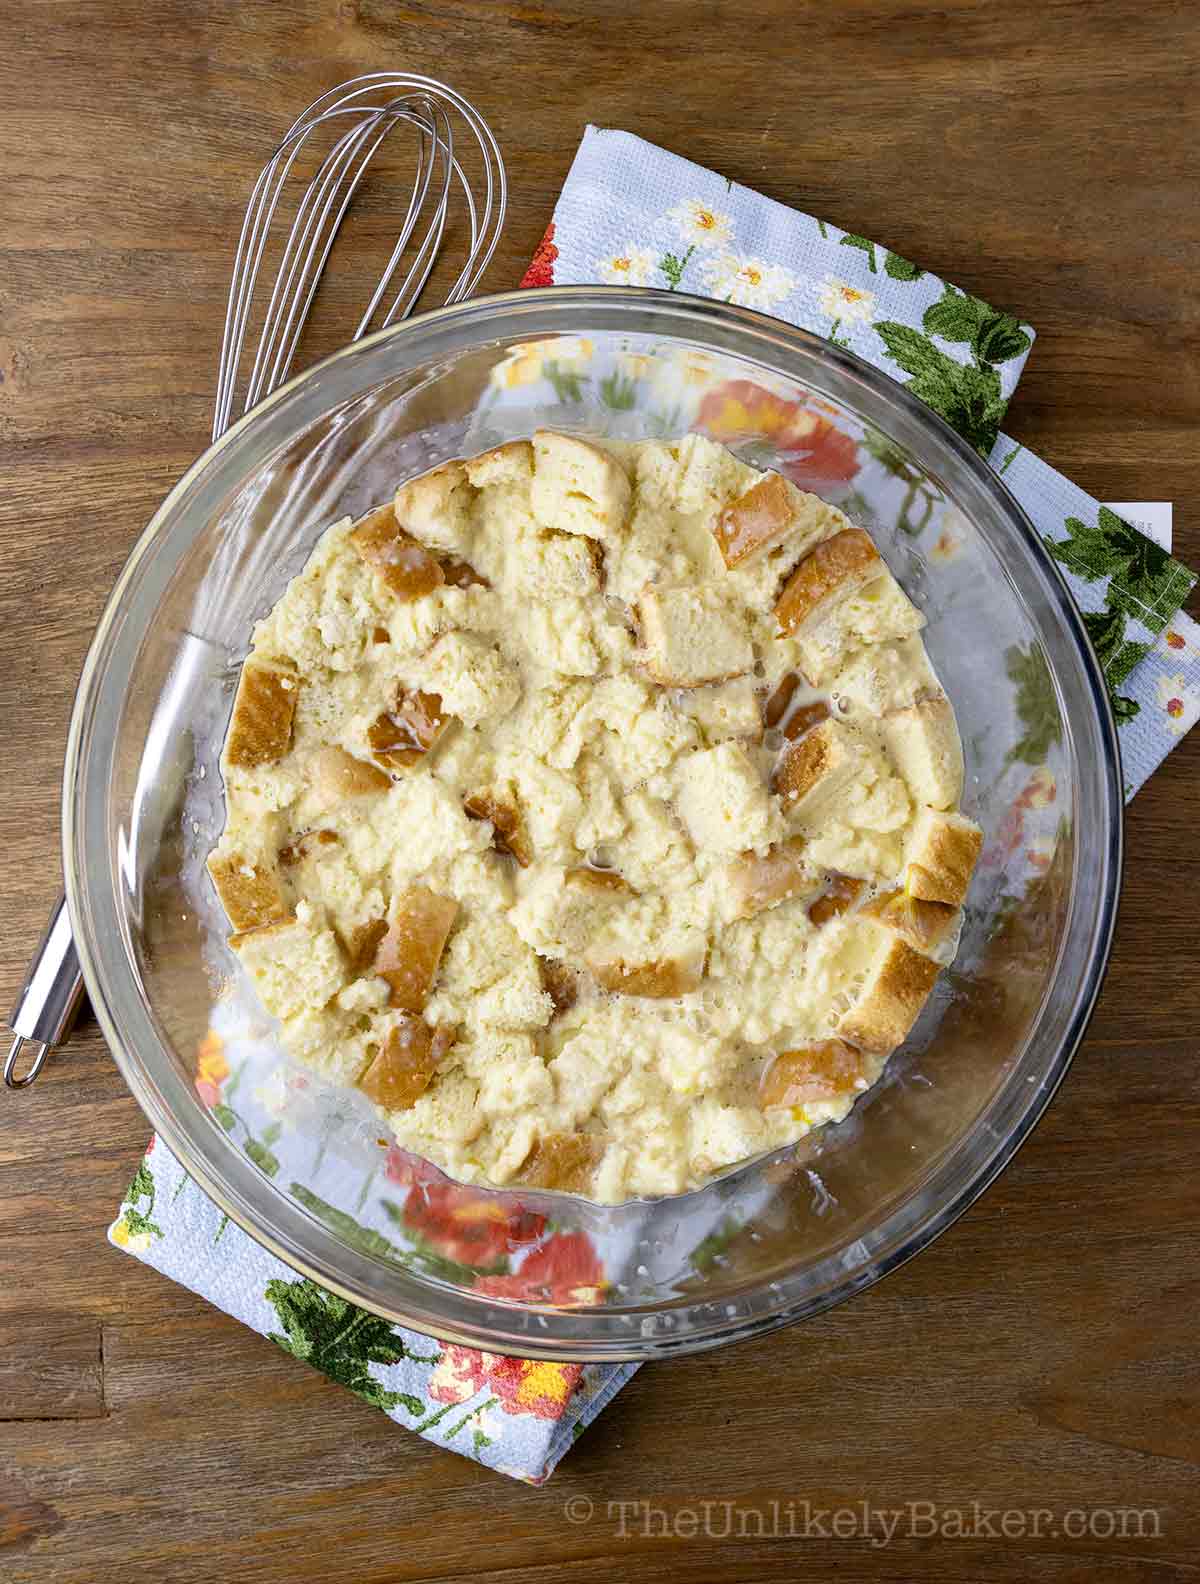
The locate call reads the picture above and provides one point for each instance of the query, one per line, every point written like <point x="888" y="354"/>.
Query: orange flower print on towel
<point x="541" y="268"/>
<point x="534" y="1386"/>
<point x="211" y="1068"/>
<point x="814" y="450"/>
<point x="522" y="1386"/>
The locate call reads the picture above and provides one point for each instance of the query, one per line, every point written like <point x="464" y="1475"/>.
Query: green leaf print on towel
<point x="966" y="395"/>
<point x="864" y="244"/>
<point x="1117" y="655"/>
<point x="993" y="337"/>
<point x="336" y="1337"/>
<point x="135" y="1227"/>
<point x="1146" y="581"/>
<point x="1036" y="704"/>
<point x="901" y="268"/>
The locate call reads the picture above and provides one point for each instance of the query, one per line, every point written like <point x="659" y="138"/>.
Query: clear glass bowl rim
<point x="279" y="1224"/>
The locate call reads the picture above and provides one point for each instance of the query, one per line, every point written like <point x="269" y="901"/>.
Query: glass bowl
<point x="304" y="1169"/>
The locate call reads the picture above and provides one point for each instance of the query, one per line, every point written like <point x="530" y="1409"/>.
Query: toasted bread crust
<point x="409" y="731"/>
<point x="924" y="925"/>
<point x="841" y="892"/>
<point x="510" y="833"/>
<point x="404" y="1067"/>
<point x="808" y="761"/>
<point x="409" y="954"/>
<point x="759" y="882"/>
<point x="560" y="981"/>
<point x="823" y="1071"/>
<point x="263" y="932"/>
<point x="943" y="851"/>
<point x="607" y="881"/>
<point x="338" y="775"/>
<point x="835" y="567"/>
<point x="755" y="521"/>
<point x="659" y="978"/>
<point x="249" y="891"/>
<point x="403" y="564"/>
<point x="566" y="1161"/>
<point x="891" y="1000"/>
<point x="260" y="730"/>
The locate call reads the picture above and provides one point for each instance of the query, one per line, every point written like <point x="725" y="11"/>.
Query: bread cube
<point x="756" y="882"/>
<point x="923" y="743"/>
<point x="436" y="508"/>
<point x="295" y="963"/>
<point x="940" y="858"/>
<point x="768" y="513"/>
<point x="562" y="910"/>
<point x="709" y="476"/>
<point x="402" y="1070"/>
<point x="643" y="952"/>
<point x="264" y="707"/>
<point x="816" y="768"/>
<point x="409" y="954"/>
<point x="248" y="889"/>
<point x="471" y="677"/>
<point x="405" y="566"/>
<point x="336" y="775"/>
<point x="928" y="927"/>
<point x="885" y="676"/>
<point x="510" y="463"/>
<point x="724" y="709"/>
<point x="723" y="800"/>
<point x="877" y="612"/>
<point x="895" y="982"/>
<point x="578" y="488"/>
<point x="825" y="1071"/>
<point x="834" y="569"/>
<point x="691" y="636"/>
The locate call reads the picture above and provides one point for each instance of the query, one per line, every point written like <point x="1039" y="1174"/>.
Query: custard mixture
<point x="593" y="809"/>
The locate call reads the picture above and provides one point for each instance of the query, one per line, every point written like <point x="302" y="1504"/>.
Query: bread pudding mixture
<point x="593" y="810"/>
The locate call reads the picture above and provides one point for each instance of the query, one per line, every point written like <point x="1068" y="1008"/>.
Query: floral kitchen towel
<point x="633" y="214"/>
<point x="517" y="1416"/>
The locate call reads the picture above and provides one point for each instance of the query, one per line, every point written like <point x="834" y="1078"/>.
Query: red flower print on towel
<point x="565" y="1270"/>
<point x="468" y="1227"/>
<point x="541" y="269"/>
<point x="814" y="449"/>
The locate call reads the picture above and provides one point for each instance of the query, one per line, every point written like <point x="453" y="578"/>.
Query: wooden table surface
<point x="1044" y="1353"/>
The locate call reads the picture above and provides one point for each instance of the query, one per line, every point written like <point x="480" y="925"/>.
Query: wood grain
<point x="1042" y="1354"/>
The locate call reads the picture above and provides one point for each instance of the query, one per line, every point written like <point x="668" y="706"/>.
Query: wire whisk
<point x="371" y="106"/>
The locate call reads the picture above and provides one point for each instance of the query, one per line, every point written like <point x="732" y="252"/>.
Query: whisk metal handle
<point x="374" y="103"/>
<point x="48" y="1001"/>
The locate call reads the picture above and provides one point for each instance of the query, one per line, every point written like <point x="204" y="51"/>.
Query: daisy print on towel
<point x="845" y="305"/>
<point x="631" y="266"/>
<point x="700" y="226"/>
<point x="749" y="282"/>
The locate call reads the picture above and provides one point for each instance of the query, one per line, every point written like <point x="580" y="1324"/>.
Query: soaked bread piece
<point x="249" y="891"/>
<point x="260" y="731"/>
<point x="943" y="849"/>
